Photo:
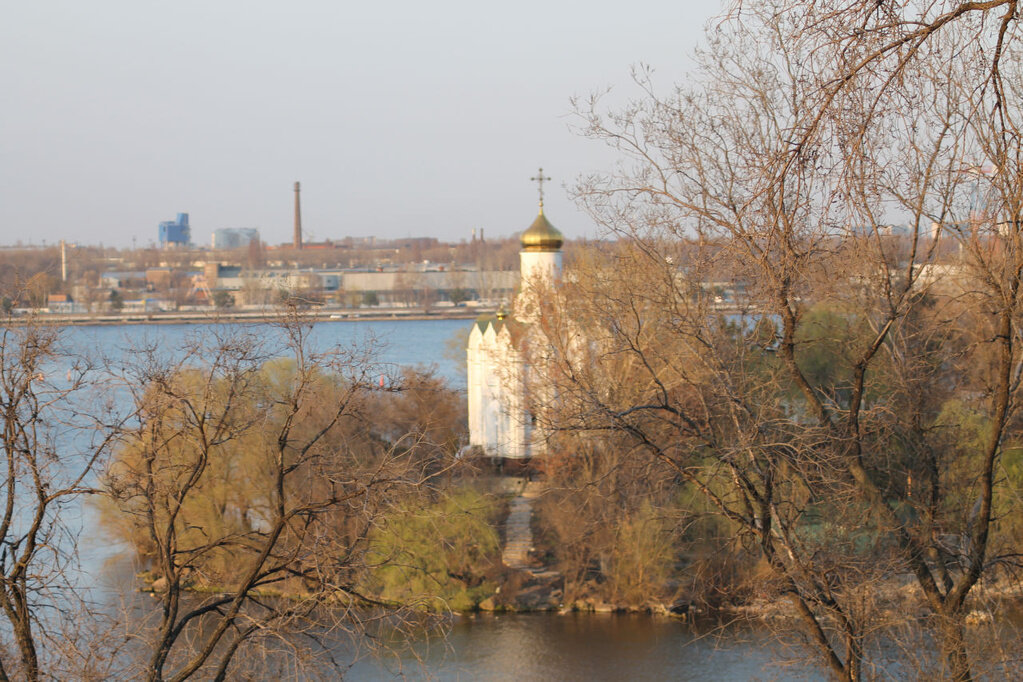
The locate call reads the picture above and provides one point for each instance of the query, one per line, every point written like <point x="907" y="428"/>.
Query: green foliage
<point x="961" y="433"/>
<point x="965" y="432"/>
<point x="611" y="522"/>
<point x="1012" y="464"/>
<point x="826" y="340"/>
<point x="963" y="425"/>
<point x="223" y="299"/>
<point x="229" y="498"/>
<point x="1009" y="508"/>
<point x="370" y="298"/>
<point x="642" y="556"/>
<point x="218" y="438"/>
<point x="438" y="552"/>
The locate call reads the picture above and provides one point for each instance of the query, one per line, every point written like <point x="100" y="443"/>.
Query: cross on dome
<point x="539" y="180"/>
<point x="541" y="235"/>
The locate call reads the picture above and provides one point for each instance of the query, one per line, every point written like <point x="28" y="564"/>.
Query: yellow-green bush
<point x="437" y="552"/>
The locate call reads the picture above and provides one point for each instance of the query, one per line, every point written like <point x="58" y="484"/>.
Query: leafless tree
<point x="769" y="336"/>
<point x="56" y="435"/>
<point x="250" y="485"/>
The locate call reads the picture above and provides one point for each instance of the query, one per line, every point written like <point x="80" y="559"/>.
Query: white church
<point x="500" y="423"/>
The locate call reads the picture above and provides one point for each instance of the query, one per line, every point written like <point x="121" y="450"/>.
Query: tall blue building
<point x="175" y="232"/>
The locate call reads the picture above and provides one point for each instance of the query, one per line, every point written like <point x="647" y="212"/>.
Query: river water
<point x="395" y="342"/>
<point x="587" y="646"/>
<point x="483" y="646"/>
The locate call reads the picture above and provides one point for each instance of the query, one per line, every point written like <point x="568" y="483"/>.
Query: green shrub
<point x="437" y="552"/>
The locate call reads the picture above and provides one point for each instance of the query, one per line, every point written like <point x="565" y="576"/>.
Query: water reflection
<point x="589" y="647"/>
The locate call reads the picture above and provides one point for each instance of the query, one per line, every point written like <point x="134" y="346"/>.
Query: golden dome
<point x="542" y="236"/>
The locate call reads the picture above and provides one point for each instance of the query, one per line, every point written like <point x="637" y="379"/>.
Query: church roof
<point x="541" y="235"/>
<point x="509" y="324"/>
<point x="483" y="321"/>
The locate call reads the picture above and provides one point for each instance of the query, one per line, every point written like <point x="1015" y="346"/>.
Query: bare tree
<point x="833" y="386"/>
<point x="871" y="47"/>
<point x="55" y="437"/>
<point x="250" y="486"/>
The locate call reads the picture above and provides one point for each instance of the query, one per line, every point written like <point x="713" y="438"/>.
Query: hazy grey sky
<point x="399" y="118"/>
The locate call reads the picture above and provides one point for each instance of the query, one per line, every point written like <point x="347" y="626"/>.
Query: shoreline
<point x="227" y="316"/>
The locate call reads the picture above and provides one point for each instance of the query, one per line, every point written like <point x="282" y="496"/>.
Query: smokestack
<point x="63" y="261"/>
<point x="298" y="219"/>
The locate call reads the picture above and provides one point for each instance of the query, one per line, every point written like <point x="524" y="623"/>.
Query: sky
<point x="399" y="118"/>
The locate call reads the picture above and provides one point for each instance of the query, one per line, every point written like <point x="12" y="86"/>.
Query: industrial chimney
<point x="298" y="219"/>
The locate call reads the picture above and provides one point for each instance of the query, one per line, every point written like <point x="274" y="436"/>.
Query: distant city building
<point x="234" y="237"/>
<point x="175" y="232"/>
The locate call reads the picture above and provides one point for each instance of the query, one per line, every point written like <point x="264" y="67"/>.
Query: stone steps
<point x="536" y="588"/>
<point x="518" y="534"/>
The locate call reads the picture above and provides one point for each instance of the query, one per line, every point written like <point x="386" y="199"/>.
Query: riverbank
<point x="532" y="582"/>
<point x="247" y="316"/>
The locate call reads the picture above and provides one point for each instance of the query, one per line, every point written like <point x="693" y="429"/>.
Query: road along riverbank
<point x="225" y="316"/>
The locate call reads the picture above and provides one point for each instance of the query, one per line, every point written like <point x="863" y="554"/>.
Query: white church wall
<point x="498" y="419"/>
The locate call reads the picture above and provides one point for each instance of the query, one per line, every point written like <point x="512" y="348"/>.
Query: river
<point x="588" y="646"/>
<point x="484" y="646"/>
<point x="396" y="342"/>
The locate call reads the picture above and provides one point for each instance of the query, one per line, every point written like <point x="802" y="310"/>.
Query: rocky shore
<point x="529" y="585"/>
